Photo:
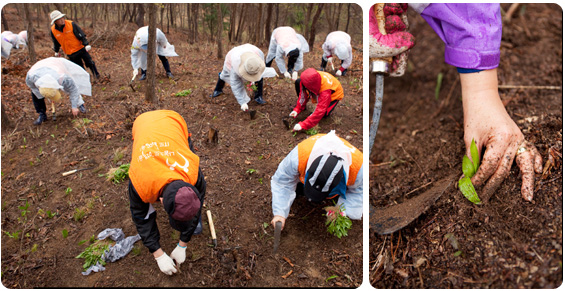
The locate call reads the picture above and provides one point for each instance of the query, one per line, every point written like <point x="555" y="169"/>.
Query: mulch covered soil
<point x="237" y="169"/>
<point x="507" y="243"/>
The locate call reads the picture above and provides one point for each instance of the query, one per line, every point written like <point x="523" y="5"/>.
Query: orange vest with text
<point x="67" y="39"/>
<point x="160" y="153"/>
<point x="305" y="148"/>
<point x="329" y="82"/>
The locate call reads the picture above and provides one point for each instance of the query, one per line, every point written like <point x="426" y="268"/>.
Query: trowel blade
<point x="278" y="228"/>
<point x="392" y="218"/>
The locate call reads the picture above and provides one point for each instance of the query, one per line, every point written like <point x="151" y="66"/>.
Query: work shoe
<point x="216" y="93"/>
<point x="82" y="108"/>
<point x="259" y="99"/>
<point x="170" y="75"/>
<point x="97" y="76"/>
<point x="42" y="117"/>
<point x="143" y="76"/>
<point x="198" y="229"/>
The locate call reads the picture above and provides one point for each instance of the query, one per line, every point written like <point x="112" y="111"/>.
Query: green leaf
<point x="65" y="233"/>
<point x="438" y="84"/>
<point x="468" y="168"/>
<point x="265" y="225"/>
<point x="475" y="155"/>
<point x="468" y="190"/>
<point x="331" y="277"/>
<point x="457" y="253"/>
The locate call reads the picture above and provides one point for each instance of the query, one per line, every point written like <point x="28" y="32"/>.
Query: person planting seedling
<point x="164" y="168"/>
<point x="139" y="52"/>
<point x="244" y="63"/>
<point x="47" y="77"/>
<point x="337" y="43"/>
<point x="285" y="42"/>
<point x="321" y="167"/>
<point x="323" y="89"/>
<point x="472" y="36"/>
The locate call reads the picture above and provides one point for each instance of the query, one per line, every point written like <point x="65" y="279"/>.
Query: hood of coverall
<point x="312" y="80"/>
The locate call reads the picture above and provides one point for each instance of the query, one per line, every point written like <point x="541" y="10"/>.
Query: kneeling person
<point x="321" y="167"/>
<point x="163" y="167"/>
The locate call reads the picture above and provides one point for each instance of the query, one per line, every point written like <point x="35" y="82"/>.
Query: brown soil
<point x="34" y="158"/>
<point x="508" y="243"/>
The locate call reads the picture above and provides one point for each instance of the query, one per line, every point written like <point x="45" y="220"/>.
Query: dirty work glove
<point x="286" y="74"/>
<point x="88" y="48"/>
<point x="338" y="72"/>
<point x="397" y="40"/>
<point x="297" y="127"/>
<point x="56" y="55"/>
<point x="179" y="254"/>
<point x="166" y="264"/>
<point x="294" y="76"/>
<point x="244" y="107"/>
<point x="293" y="114"/>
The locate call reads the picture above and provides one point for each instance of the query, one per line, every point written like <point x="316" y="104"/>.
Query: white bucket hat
<point x="251" y="67"/>
<point x="56" y="14"/>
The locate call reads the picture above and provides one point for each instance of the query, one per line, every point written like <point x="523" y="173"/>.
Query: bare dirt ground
<point x="508" y="243"/>
<point x="33" y="159"/>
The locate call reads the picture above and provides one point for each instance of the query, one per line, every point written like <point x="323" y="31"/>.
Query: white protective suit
<point x="10" y="40"/>
<point x="139" y="54"/>
<point x="283" y="40"/>
<point x="230" y="72"/>
<point x="59" y="73"/>
<point x="338" y="40"/>
<point x="287" y="177"/>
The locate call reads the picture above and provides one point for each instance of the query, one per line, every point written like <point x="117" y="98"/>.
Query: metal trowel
<point x="392" y="218"/>
<point x="278" y="228"/>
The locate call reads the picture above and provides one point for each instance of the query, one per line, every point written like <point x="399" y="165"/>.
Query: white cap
<point x="56" y="14"/>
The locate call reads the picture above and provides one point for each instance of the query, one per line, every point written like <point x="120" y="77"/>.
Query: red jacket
<point x="325" y="88"/>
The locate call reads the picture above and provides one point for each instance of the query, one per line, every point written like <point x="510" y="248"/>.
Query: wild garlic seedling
<point x="469" y="170"/>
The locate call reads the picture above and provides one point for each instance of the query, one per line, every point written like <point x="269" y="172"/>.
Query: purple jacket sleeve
<point x="471" y="33"/>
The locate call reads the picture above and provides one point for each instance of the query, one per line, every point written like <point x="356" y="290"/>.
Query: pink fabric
<point x="395" y="37"/>
<point x="286" y="36"/>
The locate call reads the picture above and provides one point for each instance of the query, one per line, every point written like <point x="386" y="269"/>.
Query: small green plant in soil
<point x="93" y="254"/>
<point x="312" y="131"/>
<point x="65" y="233"/>
<point x="331" y="277"/>
<point x="79" y="214"/>
<point x="251" y="171"/>
<point x="68" y="191"/>
<point x="469" y="170"/>
<point x="14" y="235"/>
<point x="183" y="93"/>
<point x="24" y="210"/>
<point x="337" y="223"/>
<point x="119" y="174"/>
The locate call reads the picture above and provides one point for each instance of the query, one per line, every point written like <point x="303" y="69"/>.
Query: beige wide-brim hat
<point x="56" y="14"/>
<point x="251" y="67"/>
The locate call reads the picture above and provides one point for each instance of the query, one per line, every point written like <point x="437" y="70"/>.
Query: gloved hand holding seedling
<point x="338" y="224"/>
<point x="469" y="170"/>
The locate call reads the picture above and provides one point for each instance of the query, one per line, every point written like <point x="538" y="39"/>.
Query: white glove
<point x="338" y="72"/>
<point x="87" y="48"/>
<point x="294" y="76"/>
<point x="179" y="254"/>
<point x="286" y="74"/>
<point x="293" y="113"/>
<point x="166" y="264"/>
<point x="297" y="127"/>
<point x="244" y="107"/>
<point x="330" y="59"/>
<point x="56" y="55"/>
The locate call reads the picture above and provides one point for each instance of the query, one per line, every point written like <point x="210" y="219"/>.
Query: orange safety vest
<point x="305" y="148"/>
<point x="330" y="82"/>
<point x="160" y="153"/>
<point x="67" y="39"/>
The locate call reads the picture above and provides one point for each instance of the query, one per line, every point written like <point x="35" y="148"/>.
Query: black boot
<point x="42" y="117"/>
<point x="219" y="87"/>
<point x="166" y="65"/>
<point x="143" y="75"/>
<point x="94" y="71"/>
<point x="259" y="93"/>
<point x="324" y="63"/>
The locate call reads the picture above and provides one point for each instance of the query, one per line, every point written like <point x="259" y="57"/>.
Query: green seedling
<point x="46" y="142"/>
<point x="65" y="233"/>
<point x="81" y="242"/>
<point x="438" y="84"/>
<point x="119" y="174"/>
<point x="52" y="135"/>
<point x="337" y="223"/>
<point x="79" y="214"/>
<point x="261" y="181"/>
<point x="14" y="235"/>
<point x="103" y="88"/>
<point x="68" y="191"/>
<point x="135" y="251"/>
<point x="118" y="155"/>
<point x="183" y="93"/>
<point x="251" y="171"/>
<point x="93" y="254"/>
<point x="469" y="170"/>
<point x="24" y="210"/>
<point x="331" y="277"/>
<point x="312" y="131"/>
<point x="265" y="224"/>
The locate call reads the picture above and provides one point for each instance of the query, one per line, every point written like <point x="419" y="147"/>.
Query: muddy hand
<point x="487" y="121"/>
<point x="278" y="218"/>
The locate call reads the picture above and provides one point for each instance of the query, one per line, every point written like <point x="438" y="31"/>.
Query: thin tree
<point x="30" y="39"/>
<point x="348" y="17"/>
<point x="315" y="19"/>
<point x="150" y="95"/>
<point x="268" y="24"/>
<point x="140" y="15"/>
<point x="4" y="22"/>
<point x="220" y="30"/>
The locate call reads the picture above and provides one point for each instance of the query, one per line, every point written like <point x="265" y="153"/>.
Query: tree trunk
<point x="268" y="21"/>
<point x="150" y="95"/>
<point x="220" y="54"/>
<point x="313" y="25"/>
<point x="233" y="15"/>
<point x="258" y="30"/>
<point x="133" y="13"/>
<point x="139" y="20"/>
<point x="6" y="122"/>
<point x="240" y="25"/>
<point x="348" y="17"/>
<point x="4" y="27"/>
<point x="30" y="38"/>
<point x="277" y="16"/>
